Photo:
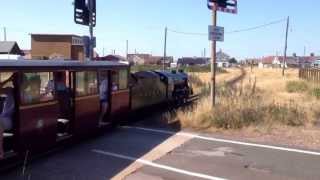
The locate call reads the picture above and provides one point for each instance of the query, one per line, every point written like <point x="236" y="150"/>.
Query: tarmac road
<point x="134" y="153"/>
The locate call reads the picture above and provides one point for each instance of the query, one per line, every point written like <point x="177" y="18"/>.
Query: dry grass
<point x="260" y="108"/>
<point x="201" y="81"/>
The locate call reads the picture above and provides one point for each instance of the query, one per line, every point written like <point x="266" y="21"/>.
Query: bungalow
<point x="223" y="59"/>
<point x="10" y="50"/>
<point x="316" y="63"/>
<point x="143" y="59"/>
<point x="191" y="61"/>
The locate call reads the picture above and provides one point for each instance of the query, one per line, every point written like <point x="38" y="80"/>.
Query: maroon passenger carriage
<point x="42" y="120"/>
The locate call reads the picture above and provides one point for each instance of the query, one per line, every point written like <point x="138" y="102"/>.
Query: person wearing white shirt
<point x="104" y="99"/>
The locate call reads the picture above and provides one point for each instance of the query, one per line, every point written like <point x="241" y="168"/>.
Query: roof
<point x="58" y="65"/>
<point x="6" y="47"/>
<point x="71" y="35"/>
<point x="192" y="60"/>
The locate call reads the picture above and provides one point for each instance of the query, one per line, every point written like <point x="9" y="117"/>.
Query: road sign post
<point x="213" y="63"/>
<point x="217" y="34"/>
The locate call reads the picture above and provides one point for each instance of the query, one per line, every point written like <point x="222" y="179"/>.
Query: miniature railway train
<point x="43" y="119"/>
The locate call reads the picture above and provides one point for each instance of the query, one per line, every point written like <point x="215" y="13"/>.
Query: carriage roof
<point x="13" y="65"/>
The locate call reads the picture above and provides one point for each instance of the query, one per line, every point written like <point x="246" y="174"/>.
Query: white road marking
<point x="152" y="164"/>
<point x="226" y="141"/>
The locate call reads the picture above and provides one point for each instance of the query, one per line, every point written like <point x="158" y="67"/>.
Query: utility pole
<point x="204" y="52"/>
<point x="127" y="48"/>
<point x="304" y="51"/>
<point x="4" y="33"/>
<point x="165" y="48"/>
<point x="213" y="62"/>
<point x="285" y="48"/>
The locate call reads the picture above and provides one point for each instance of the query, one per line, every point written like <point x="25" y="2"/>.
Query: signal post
<point x="217" y="34"/>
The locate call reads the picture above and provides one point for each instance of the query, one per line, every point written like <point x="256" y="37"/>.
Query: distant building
<point x="112" y="57"/>
<point x="291" y="61"/>
<point x="10" y="47"/>
<point x="148" y="59"/>
<point x="57" y="46"/>
<point x="316" y="63"/>
<point x="27" y="54"/>
<point x="191" y="61"/>
<point x="223" y="59"/>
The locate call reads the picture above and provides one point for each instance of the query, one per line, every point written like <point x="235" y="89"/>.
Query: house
<point x="291" y="61"/>
<point x="57" y="46"/>
<point x="112" y="57"/>
<point x="10" y="50"/>
<point x="316" y="63"/>
<point x="307" y="61"/>
<point x="10" y="47"/>
<point x="270" y="62"/>
<point x="222" y="59"/>
<point x="148" y="59"/>
<point x="191" y="61"/>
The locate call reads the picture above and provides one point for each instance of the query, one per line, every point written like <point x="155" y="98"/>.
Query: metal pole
<point x="4" y="33"/>
<point x="127" y="48"/>
<point x="91" y="31"/>
<point x="165" y="48"/>
<point x="285" y="48"/>
<point x="213" y="62"/>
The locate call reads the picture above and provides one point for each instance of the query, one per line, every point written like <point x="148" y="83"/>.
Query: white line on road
<point x="225" y="141"/>
<point x="152" y="164"/>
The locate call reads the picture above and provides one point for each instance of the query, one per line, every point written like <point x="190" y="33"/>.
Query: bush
<point x="316" y="92"/>
<point x="296" y="86"/>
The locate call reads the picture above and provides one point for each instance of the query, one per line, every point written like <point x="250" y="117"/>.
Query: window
<point x="120" y="80"/>
<point x="87" y="83"/>
<point x="35" y="87"/>
<point x="4" y="76"/>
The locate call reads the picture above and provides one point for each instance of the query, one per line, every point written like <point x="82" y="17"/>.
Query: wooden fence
<point x="310" y="74"/>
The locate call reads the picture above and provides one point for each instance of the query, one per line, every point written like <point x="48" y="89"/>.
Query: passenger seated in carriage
<point x="7" y="110"/>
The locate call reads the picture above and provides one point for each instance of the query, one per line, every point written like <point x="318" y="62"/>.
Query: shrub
<point x="296" y="86"/>
<point x="316" y="92"/>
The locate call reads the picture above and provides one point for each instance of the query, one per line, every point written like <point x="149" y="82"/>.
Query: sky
<point x="142" y="23"/>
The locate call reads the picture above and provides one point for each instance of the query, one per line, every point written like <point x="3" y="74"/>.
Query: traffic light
<point x="82" y="12"/>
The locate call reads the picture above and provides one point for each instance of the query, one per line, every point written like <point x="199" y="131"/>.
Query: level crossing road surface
<point x="163" y="153"/>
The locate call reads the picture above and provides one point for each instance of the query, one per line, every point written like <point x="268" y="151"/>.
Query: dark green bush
<point x="316" y="92"/>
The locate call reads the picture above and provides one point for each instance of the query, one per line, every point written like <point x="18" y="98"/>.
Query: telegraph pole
<point x="165" y="48"/>
<point x="213" y="62"/>
<point x="285" y="48"/>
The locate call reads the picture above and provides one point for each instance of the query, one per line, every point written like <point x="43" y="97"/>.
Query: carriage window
<point x="4" y="76"/>
<point x="35" y="87"/>
<point x="120" y="80"/>
<point x="87" y="83"/>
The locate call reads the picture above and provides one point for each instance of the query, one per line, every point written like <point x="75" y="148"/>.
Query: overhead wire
<point x="230" y="32"/>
